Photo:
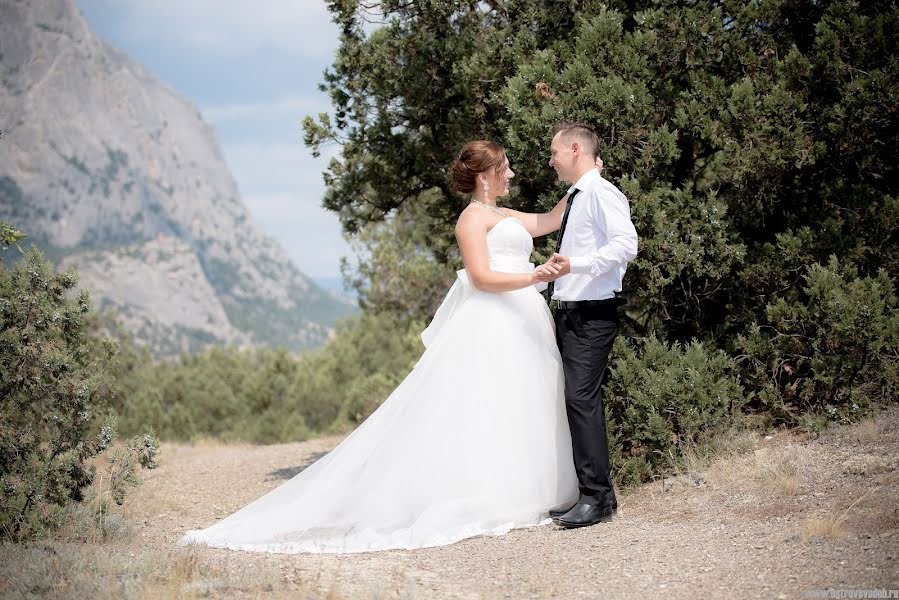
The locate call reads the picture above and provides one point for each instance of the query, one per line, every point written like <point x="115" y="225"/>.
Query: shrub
<point x="123" y="465"/>
<point x="394" y="272"/>
<point x="662" y="401"/>
<point x="349" y="378"/>
<point x="9" y="235"/>
<point x="831" y="350"/>
<point x="55" y="389"/>
<point x="268" y="396"/>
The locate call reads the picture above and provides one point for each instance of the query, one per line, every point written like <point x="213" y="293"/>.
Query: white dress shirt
<point x="599" y="240"/>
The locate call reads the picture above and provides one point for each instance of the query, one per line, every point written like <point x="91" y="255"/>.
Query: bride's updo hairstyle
<point x="476" y="157"/>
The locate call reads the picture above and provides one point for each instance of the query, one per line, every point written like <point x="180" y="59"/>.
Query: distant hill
<point x="335" y="285"/>
<point x="112" y="172"/>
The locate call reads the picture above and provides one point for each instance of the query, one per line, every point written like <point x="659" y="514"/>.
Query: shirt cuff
<point x="580" y="265"/>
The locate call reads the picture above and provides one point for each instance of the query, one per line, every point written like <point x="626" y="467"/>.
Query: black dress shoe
<point x="555" y="514"/>
<point x="582" y="515"/>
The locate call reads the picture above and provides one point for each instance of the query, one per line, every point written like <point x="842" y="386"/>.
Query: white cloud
<point x="291" y="107"/>
<point x="264" y="167"/>
<point x="229" y="28"/>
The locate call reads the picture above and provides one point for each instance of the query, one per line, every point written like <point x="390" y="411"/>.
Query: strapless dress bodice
<point x="509" y="247"/>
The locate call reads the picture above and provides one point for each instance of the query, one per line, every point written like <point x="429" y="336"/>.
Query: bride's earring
<point x="486" y="191"/>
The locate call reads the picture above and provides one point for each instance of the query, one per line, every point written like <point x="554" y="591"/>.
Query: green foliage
<point x="728" y="124"/>
<point x="124" y="462"/>
<point x="662" y="401"/>
<point x="9" y="236"/>
<point x="55" y="387"/>
<point x="366" y="359"/>
<point x="718" y="106"/>
<point x="832" y="349"/>
<point x="699" y="251"/>
<point x="396" y="271"/>
<point x="268" y="396"/>
<point x="753" y="139"/>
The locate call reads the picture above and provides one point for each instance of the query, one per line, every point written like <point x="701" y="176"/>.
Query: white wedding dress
<point x="474" y="441"/>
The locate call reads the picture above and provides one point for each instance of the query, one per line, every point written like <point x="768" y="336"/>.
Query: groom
<point x="595" y="243"/>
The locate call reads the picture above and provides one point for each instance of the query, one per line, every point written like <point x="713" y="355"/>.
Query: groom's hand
<point x="561" y="263"/>
<point x="547" y="271"/>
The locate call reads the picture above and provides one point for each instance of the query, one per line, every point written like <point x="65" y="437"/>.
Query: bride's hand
<point x="545" y="273"/>
<point x="599" y="164"/>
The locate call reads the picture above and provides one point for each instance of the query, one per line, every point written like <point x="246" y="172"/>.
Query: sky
<point x="252" y="68"/>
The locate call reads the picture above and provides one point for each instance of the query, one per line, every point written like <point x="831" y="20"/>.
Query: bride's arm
<point x="471" y="233"/>
<point x="539" y="224"/>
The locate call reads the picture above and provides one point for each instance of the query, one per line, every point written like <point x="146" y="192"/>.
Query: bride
<point x="475" y="440"/>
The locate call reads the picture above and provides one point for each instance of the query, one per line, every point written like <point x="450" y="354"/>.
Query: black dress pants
<point x="585" y="337"/>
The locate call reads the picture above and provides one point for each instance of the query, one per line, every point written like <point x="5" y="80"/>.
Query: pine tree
<point x="755" y="141"/>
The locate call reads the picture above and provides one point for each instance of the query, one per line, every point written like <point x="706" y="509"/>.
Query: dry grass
<point x="864" y="432"/>
<point x="834" y="526"/>
<point x="775" y="471"/>
<point x="869" y="464"/>
<point x="84" y="525"/>
<point x="60" y="570"/>
<point x="825" y="528"/>
<point x="735" y="442"/>
<point x="695" y="461"/>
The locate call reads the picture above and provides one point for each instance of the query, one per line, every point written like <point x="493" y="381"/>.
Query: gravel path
<point x="787" y="518"/>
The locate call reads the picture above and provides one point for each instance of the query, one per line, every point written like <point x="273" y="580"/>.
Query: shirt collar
<point x="585" y="180"/>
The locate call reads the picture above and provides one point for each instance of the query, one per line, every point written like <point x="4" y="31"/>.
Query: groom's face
<point x="561" y="157"/>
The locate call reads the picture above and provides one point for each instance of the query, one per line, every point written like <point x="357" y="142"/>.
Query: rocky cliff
<point x="112" y="172"/>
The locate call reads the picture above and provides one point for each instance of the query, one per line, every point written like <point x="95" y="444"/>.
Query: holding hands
<point x="561" y="263"/>
<point x="545" y="273"/>
<point x="555" y="267"/>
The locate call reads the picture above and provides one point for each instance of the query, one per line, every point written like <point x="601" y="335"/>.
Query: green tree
<point x="397" y="270"/>
<point x="753" y="140"/>
<point x="832" y="351"/>
<point x="268" y="396"/>
<point x="726" y="123"/>
<point x="55" y="392"/>
<point x="9" y="236"/>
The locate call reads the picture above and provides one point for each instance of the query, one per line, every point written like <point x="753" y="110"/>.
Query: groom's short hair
<point x="580" y="133"/>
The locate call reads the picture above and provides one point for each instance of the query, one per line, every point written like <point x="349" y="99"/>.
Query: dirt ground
<point x="779" y="517"/>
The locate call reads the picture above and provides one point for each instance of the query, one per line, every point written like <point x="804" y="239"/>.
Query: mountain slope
<point x="103" y="164"/>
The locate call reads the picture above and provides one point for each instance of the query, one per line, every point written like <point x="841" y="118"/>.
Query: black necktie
<point x="550" y="287"/>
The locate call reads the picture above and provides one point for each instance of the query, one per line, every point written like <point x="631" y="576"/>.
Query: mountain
<point x="110" y="171"/>
<point x="335" y="286"/>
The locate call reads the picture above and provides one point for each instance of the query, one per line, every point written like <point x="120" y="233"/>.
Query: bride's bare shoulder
<point x="471" y="219"/>
<point x="469" y="215"/>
